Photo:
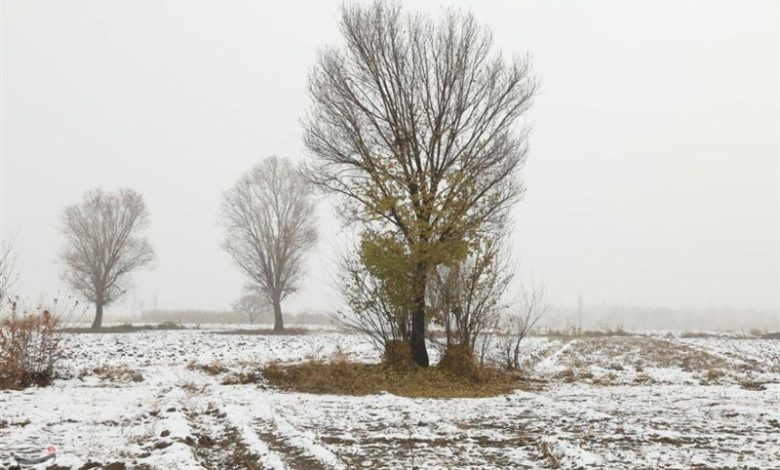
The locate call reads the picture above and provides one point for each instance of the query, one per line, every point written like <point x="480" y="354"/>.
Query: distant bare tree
<point x="252" y="305"/>
<point x="269" y="221"/>
<point x="517" y="323"/>
<point x="417" y="124"/>
<point x="8" y="273"/>
<point x="104" y="244"/>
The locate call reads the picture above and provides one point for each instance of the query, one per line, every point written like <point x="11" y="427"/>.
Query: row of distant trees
<point x="268" y="217"/>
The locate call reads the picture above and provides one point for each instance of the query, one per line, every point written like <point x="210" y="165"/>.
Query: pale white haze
<point x="652" y="176"/>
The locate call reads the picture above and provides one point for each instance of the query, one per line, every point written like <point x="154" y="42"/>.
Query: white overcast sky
<point x="652" y="178"/>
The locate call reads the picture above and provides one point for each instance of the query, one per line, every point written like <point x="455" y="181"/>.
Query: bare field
<point x="193" y="399"/>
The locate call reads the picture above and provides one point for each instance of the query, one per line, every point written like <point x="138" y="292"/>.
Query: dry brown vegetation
<point x="243" y="378"/>
<point x="349" y="378"/>
<point x="118" y="373"/>
<point x="28" y="350"/>
<point x="215" y="368"/>
<point x="456" y="376"/>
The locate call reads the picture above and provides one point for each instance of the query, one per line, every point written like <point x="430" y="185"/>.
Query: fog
<point x="652" y="177"/>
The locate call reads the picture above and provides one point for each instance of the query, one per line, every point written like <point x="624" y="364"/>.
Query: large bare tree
<point x="104" y="243"/>
<point x="269" y="221"/>
<point x="417" y="124"/>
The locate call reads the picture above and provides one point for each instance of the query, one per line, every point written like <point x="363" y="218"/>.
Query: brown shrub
<point x="458" y="359"/>
<point x="398" y="356"/>
<point x="28" y="350"/>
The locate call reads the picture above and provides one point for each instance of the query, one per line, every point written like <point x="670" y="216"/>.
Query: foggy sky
<point x="652" y="178"/>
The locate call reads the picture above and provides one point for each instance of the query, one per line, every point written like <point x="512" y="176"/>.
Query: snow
<point x="614" y="402"/>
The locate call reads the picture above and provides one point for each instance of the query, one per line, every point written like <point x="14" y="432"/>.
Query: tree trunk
<point x="98" y="321"/>
<point x="447" y="328"/>
<point x="419" y="351"/>
<point x="278" y="321"/>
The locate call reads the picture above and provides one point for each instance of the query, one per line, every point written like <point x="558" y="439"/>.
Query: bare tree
<point x="252" y="305"/>
<point x="8" y="272"/>
<point x="516" y="324"/>
<point x="104" y="244"/>
<point x="415" y="124"/>
<point x="269" y="221"/>
<point x="467" y="298"/>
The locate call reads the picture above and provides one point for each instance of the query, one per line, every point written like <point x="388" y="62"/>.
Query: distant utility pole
<point x="580" y="308"/>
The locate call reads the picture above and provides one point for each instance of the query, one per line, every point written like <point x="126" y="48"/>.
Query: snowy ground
<point x="610" y="402"/>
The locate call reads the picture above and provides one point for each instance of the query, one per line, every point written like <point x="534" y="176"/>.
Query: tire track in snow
<point x="299" y="449"/>
<point x="238" y="417"/>
<point x="234" y="417"/>
<point x="277" y="442"/>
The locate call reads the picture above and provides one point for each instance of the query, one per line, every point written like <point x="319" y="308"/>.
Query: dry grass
<point x="29" y="350"/>
<point x="215" y="368"/>
<point x="249" y="373"/>
<point x="701" y="334"/>
<point x="243" y="378"/>
<point x="549" y="455"/>
<point x="713" y="374"/>
<point x="398" y="356"/>
<point x="458" y="360"/>
<point x="456" y="376"/>
<point x="750" y="384"/>
<point x="118" y="374"/>
<point x="644" y="379"/>
<point x="341" y="377"/>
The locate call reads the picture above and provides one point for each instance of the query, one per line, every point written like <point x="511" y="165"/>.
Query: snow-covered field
<point x="602" y="402"/>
